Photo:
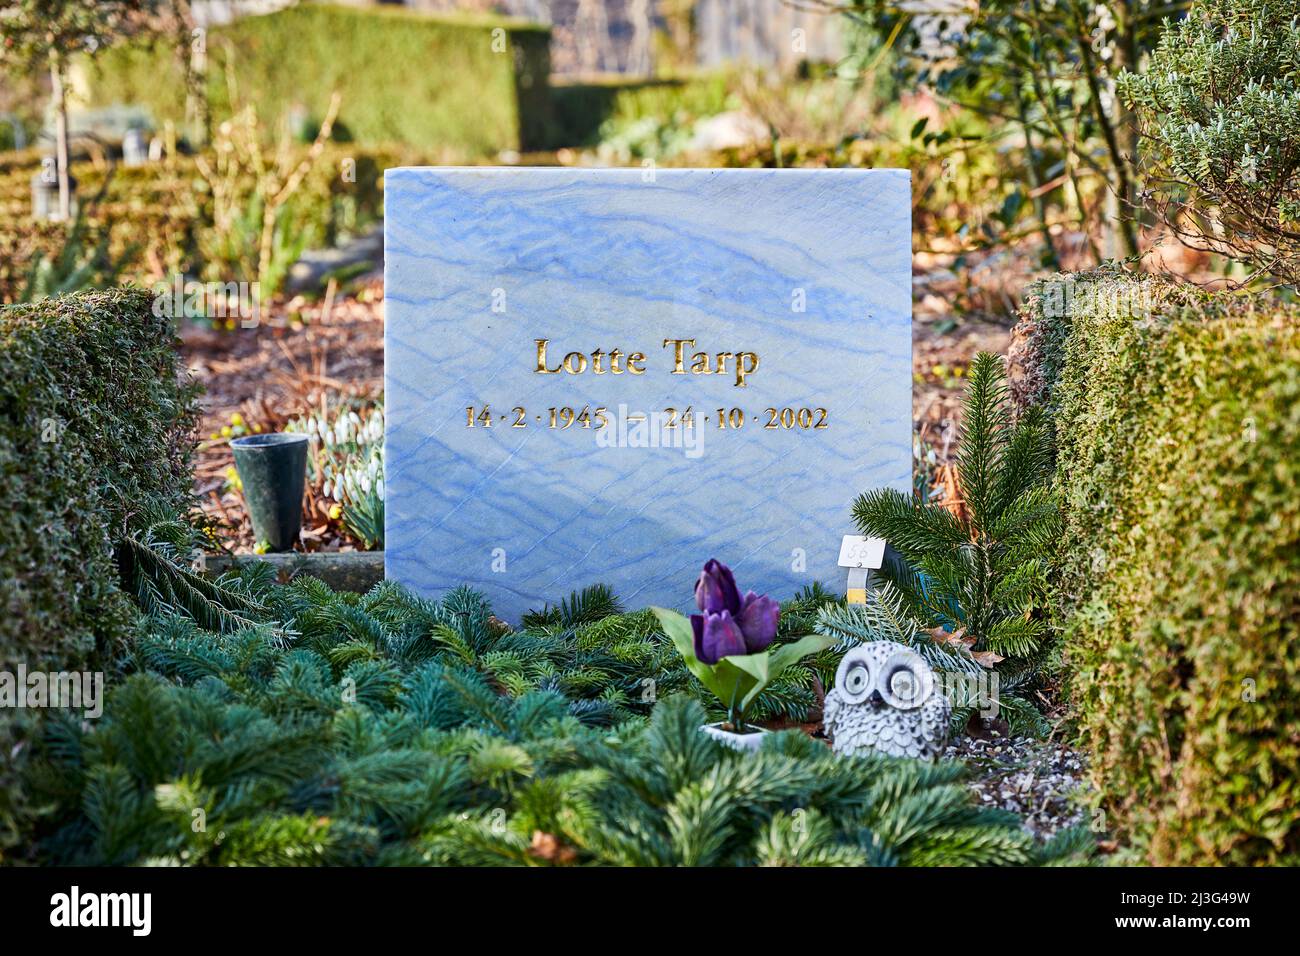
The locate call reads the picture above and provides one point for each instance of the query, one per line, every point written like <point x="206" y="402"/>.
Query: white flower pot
<point x="748" y="742"/>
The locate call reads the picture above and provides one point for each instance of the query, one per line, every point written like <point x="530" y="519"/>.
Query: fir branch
<point x="983" y="440"/>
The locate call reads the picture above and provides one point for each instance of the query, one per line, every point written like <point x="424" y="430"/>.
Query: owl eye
<point x="907" y="682"/>
<point x="855" y="681"/>
<point x="904" y="685"/>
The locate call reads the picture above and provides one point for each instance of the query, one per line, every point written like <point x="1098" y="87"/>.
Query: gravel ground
<point x="1043" y="781"/>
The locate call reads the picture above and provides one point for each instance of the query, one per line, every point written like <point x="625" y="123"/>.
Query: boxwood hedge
<point x="1177" y="418"/>
<point x="95" y="431"/>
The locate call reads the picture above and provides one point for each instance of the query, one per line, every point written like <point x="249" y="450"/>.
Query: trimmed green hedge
<point x="95" y="428"/>
<point x="433" y="83"/>
<point x="1177" y="417"/>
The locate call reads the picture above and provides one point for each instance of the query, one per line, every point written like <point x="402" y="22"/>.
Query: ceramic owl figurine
<point x="886" y="699"/>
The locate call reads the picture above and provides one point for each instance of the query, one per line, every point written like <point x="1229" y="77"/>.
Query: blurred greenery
<point x="1042" y="75"/>
<point x="1002" y="154"/>
<point x="442" y="85"/>
<point x="164" y="212"/>
<point x="589" y="113"/>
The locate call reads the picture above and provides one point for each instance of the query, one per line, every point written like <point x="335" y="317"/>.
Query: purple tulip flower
<point x="729" y="624"/>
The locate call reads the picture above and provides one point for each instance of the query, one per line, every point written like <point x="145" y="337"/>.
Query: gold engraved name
<point x="616" y="361"/>
<point x="575" y="363"/>
<point x="702" y="363"/>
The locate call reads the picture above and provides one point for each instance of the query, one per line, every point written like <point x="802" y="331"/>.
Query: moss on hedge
<point x="95" y="429"/>
<point x="1177" y="418"/>
<point x="434" y="83"/>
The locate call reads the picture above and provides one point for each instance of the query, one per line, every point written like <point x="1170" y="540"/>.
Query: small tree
<point x="977" y="566"/>
<point x="46" y="34"/>
<point x="1042" y="72"/>
<point x="1219" y="106"/>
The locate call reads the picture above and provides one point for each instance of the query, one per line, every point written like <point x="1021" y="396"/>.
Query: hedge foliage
<point x="1177" y="418"/>
<point x="95" y="426"/>
<point x="153" y="216"/>
<point x="433" y="83"/>
<point x="386" y="729"/>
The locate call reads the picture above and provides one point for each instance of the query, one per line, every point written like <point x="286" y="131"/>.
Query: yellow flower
<point x="257" y="428"/>
<point x="230" y="325"/>
<point x="236" y="419"/>
<point x="226" y="431"/>
<point x="336" y="512"/>
<point x="214" y="436"/>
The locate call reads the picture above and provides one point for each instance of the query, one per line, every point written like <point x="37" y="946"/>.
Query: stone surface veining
<point x="809" y="270"/>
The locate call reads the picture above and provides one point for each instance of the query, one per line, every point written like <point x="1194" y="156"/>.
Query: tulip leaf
<point x="755" y="665"/>
<point x="795" y="651"/>
<point x="736" y="682"/>
<point x="776" y="660"/>
<point x="679" y="631"/>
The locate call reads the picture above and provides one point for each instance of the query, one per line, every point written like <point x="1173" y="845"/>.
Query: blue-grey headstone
<point x="530" y="484"/>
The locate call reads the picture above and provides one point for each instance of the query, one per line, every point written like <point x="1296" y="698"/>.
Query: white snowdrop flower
<point x="365" y="485"/>
<point x="379" y="488"/>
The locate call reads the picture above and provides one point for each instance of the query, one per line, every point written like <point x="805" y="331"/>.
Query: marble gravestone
<point x="614" y="375"/>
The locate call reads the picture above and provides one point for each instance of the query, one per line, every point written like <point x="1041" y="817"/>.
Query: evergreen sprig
<point x="154" y="561"/>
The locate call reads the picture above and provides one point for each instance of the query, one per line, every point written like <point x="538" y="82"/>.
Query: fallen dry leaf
<point x="547" y="846"/>
<point x="986" y="658"/>
<point x="956" y="638"/>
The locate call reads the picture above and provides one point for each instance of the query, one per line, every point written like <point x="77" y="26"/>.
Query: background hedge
<point x="154" y="214"/>
<point x="580" y="109"/>
<point x="95" y="430"/>
<point x="1177" y="417"/>
<point x="429" y="82"/>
